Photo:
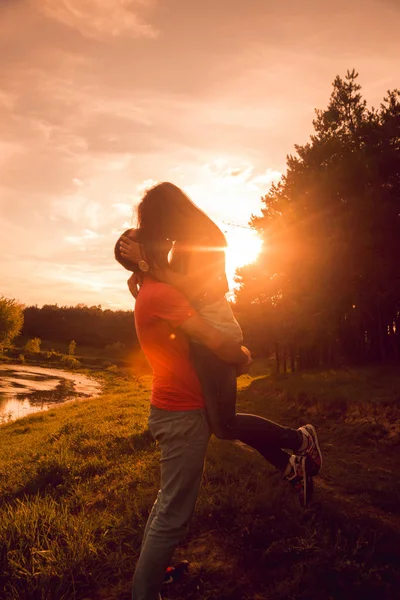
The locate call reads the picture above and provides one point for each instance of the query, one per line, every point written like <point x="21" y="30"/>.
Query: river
<point x="26" y="389"/>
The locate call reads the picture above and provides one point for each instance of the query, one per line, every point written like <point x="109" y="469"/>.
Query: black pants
<point x="218" y="383"/>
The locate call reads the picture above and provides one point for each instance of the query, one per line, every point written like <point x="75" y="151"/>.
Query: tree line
<point x="86" y="325"/>
<point x="326" y="287"/>
<point x="73" y="325"/>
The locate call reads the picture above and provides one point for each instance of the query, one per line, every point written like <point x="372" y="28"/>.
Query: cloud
<point x="266" y="179"/>
<point x="87" y="235"/>
<point x="245" y="173"/>
<point x="122" y="208"/>
<point x="100" y="19"/>
<point x="145" y="185"/>
<point x="77" y="209"/>
<point x="6" y="100"/>
<point x="230" y="191"/>
<point x="96" y="107"/>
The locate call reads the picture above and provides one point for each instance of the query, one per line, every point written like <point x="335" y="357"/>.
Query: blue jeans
<point x="183" y="438"/>
<point x="218" y="383"/>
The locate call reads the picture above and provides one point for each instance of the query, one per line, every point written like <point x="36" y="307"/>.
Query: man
<point x="164" y="320"/>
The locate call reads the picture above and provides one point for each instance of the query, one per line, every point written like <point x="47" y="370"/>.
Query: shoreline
<point x="83" y="385"/>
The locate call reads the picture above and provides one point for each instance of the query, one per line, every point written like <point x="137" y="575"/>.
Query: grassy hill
<point x="77" y="482"/>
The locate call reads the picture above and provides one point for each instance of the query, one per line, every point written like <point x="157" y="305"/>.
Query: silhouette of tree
<point x="329" y="279"/>
<point x="87" y="326"/>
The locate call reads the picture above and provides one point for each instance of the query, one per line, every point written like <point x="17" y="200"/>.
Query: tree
<point x="330" y="281"/>
<point x="11" y="320"/>
<point x="72" y="348"/>
<point x="33" y="346"/>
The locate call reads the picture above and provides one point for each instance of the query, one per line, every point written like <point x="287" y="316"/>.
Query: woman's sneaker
<point x="300" y="478"/>
<point x="312" y="450"/>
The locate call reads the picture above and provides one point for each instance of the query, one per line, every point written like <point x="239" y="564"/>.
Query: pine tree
<point x="329" y="281"/>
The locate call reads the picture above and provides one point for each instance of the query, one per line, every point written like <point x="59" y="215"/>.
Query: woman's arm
<point x="134" y="282"/>
<point x="186" y="284"/>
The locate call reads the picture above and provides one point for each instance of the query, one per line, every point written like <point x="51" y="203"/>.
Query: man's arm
<point x="222" y="345"/>
<point x="171" y="305"/>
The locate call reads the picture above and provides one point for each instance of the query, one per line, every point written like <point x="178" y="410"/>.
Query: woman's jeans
<point x="218" y="383"/>
<point x="183" y="438"/>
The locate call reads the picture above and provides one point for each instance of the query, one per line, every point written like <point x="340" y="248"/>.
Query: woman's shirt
<point x="206" y="264"/>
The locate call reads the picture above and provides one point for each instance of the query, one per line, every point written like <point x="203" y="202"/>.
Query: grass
<point x="77" y="483"/>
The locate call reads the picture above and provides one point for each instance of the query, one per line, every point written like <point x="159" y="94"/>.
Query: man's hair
<point x="125" y="262"/>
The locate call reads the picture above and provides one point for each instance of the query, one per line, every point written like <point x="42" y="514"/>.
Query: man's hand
<point x="131" y="250"/>
<point x="244" y="368"/>
<point x="134" y="282"/>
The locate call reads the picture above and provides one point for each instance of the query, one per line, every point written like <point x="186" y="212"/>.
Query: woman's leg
<point x="218" y="382"/>
<point x="267" y="437"/>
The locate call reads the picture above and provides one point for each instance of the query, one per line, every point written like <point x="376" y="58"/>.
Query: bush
<point x="52" y="356"/>
<point x="33" y="346"/>
<point x="69" y="361"/>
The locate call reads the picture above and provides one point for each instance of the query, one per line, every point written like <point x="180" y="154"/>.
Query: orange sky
<point x="100" y="97"/>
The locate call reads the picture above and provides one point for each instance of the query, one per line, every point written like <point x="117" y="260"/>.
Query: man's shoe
<point x="313" y="450"/>
<point x="300" y="478"/>
<point x="172" y="574"/>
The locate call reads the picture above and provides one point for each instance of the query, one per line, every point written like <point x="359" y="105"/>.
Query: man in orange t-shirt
<point x="160" y="311"/>
<point x="164" y="318"/>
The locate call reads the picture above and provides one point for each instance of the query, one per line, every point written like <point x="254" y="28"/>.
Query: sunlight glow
<point x="244" y="246"/>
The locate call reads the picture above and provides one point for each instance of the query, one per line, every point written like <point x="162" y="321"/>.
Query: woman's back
<point x="167" y="213"/>
<point x="205" y="263"/>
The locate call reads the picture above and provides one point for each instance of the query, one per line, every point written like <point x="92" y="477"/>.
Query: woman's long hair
<point x="166" y="212"/>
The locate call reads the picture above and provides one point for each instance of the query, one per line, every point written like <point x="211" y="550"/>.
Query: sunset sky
<point x="100" y="98"/>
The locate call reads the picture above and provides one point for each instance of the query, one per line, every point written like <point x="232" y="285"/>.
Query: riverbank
<point x="54" y="358"/>
<point x="76" y="485"/>
<point x="52" y="354"/>
<point x="27" y="389"/>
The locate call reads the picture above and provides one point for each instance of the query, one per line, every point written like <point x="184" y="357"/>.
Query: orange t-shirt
<point x="159" y="310"/>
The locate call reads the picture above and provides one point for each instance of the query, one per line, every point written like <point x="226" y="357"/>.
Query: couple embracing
<point x="193" y="343"/>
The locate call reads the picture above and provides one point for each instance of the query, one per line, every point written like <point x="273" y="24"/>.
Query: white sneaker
<point x="313" y="450"/>
<point x="300" y="478"/>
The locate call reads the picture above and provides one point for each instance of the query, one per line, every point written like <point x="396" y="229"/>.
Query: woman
<point x="167" y="216"/>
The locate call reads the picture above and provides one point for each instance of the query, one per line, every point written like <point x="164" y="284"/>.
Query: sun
<point x="244" y="246"/>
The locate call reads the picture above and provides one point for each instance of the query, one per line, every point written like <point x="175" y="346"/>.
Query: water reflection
<point x="25" y="390"/>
